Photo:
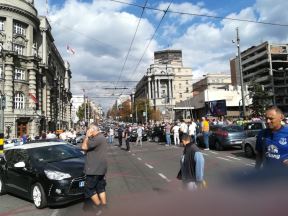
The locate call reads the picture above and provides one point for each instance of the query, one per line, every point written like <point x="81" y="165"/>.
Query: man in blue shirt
<point x="272" y="142"/>
<point x="192" y="164"/>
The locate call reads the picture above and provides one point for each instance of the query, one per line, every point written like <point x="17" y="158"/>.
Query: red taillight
<point x="222" y="133"/>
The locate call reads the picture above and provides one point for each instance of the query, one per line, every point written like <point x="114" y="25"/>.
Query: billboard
<point x="216" y="108"/>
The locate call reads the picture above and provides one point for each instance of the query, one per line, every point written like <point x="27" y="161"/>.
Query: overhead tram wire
<point x="130" y="47"/>
<point x="159" y="24"/>
<point x="204" y="15"/>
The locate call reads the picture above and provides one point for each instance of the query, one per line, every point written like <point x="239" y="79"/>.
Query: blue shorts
<point x="94" y="184"/>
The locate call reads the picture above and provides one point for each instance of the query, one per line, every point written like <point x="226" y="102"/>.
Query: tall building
<point x="34" y="78"/>
<point x="166" y="82"/>
<point x="266" y="64"/>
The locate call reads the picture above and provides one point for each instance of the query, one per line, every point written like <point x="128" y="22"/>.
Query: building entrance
<point x="22" y="128"/>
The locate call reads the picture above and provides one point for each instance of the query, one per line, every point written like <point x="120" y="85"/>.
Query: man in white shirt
<point x="139" y="134"/>
<point x="192" y="130"/>
<point x="51" y="135"/>
<point x="183" y="129"/>
<point x="175" y="130"/>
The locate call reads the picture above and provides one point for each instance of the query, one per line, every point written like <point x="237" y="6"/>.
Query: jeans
<point x="110" y="139"/>
<point x="206" y="139"/>
<point x="168" y="139"/>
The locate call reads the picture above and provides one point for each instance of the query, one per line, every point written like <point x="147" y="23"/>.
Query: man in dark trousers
<point x="95" y="146"/>
<point x="120" y="135"/>
<point x="192" y="165"/>
<point x="127" y="138"/>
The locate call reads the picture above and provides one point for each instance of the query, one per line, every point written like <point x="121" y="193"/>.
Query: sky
<point x="101" y="33"/>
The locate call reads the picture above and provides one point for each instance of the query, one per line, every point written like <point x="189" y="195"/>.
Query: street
<point x="136" y="175"/>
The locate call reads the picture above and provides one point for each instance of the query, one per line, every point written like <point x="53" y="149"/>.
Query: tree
<point x="81" y="111"/>
<point x="260" y="99"/>
<point x="140" y="108"/>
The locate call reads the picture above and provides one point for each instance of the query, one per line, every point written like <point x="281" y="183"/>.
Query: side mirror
<point x="19" y="165"/>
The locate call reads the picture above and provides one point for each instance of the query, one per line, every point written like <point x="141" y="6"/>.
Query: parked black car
<point x="159" y="135"/>
<point x="48" y="173"/>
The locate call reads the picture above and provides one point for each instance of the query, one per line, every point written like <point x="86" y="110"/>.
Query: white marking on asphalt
<point x="213" y="152"/>
<point x="139" y="158"/>
<point x="253" y="163"/>
<point x="250" y="165"/>
<point x="223" y="158"/>
<point x="148" y="165"/>
<point x="55" y="212"/>
<point x="233" y="158"/>
<point x="204" y="154"/>
<point x="164" y="177"/>
<point x="133" y="154"/>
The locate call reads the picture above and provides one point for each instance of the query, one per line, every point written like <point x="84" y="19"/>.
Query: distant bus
<point x="216" y="108"/>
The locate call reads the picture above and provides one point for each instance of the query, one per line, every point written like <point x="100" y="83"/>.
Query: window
<point x="1" y="71"/>
<point x="180" y="86"/>
<point x="180" y="95"/>
<point x="1" y="25"/>
<point x="18" y="49"/>
<point x="19" y="100"/>
<point x="187" y="90"/>
<point x="19" y="74"/>
<point x="19" y="29"/>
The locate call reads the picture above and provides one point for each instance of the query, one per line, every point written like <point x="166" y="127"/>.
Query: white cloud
<point x="101" y="32"/>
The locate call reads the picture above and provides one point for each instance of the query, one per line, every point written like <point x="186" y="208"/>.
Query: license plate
<point x="81" y="183"/>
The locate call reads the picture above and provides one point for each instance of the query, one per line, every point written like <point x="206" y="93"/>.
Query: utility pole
<point x="84" y="105"/>
<point x="136" y="115"/>
<point x="241" y="73"/>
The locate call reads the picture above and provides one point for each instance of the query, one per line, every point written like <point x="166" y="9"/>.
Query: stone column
<point x="44" y="48"/>
<point x="32" y="87"/>
<point x="168" y="91"/>
<point x="8" y="87"/>
<point x="158" y="88"/>
<point x="48" y="104"/>
<point x="172" y="93"/>
<point x="29" y="34"/>
<point x="149" y="89"/>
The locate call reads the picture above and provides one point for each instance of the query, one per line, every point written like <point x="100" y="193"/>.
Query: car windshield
<point x="233" y="128"/>
<point x="54" y="153"/>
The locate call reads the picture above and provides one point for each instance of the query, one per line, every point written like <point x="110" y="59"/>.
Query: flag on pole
<point x="70" y="50"/>
<point x="33" y="98"/>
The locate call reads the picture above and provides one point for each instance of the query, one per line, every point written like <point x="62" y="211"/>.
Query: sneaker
<point x="206" y="149"/>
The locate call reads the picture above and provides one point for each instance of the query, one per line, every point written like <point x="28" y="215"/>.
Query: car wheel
<point x="248" y="151"/>
<point x="156" y="139"/>
<point x="38" y="196"/>
<point x="218" y="146"/>
<point x="2" y="187"/>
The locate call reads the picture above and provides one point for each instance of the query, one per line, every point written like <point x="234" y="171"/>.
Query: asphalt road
<point x="137" y="177"/>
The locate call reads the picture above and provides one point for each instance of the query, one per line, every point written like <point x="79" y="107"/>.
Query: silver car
<point x="248" y="145"/>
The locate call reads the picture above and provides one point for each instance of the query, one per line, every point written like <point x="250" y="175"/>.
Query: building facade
<point x="213" y="87"/>
<point x="166" y="82"/>
<point x="35" y="80"/>
<point x="266" y="64"/>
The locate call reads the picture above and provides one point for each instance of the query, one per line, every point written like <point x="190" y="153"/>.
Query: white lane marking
<point x="139" y="158"/>
<point x="253" y="163"/>
<point x="233" y="158"/>
<point x="164" y="177"/>
<point x="223" y="158"/>
<point x="213" y="152"/>
<point x="204" y="154"/>
<point x="250" y="165"/>
<point x="133" y="154"/>
<point x="148" y="165"/>
<point x="55" y="212"/>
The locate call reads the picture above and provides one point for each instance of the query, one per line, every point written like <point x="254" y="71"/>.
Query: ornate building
<point x="166" y="82"/>
<point x="34" y="78"/>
